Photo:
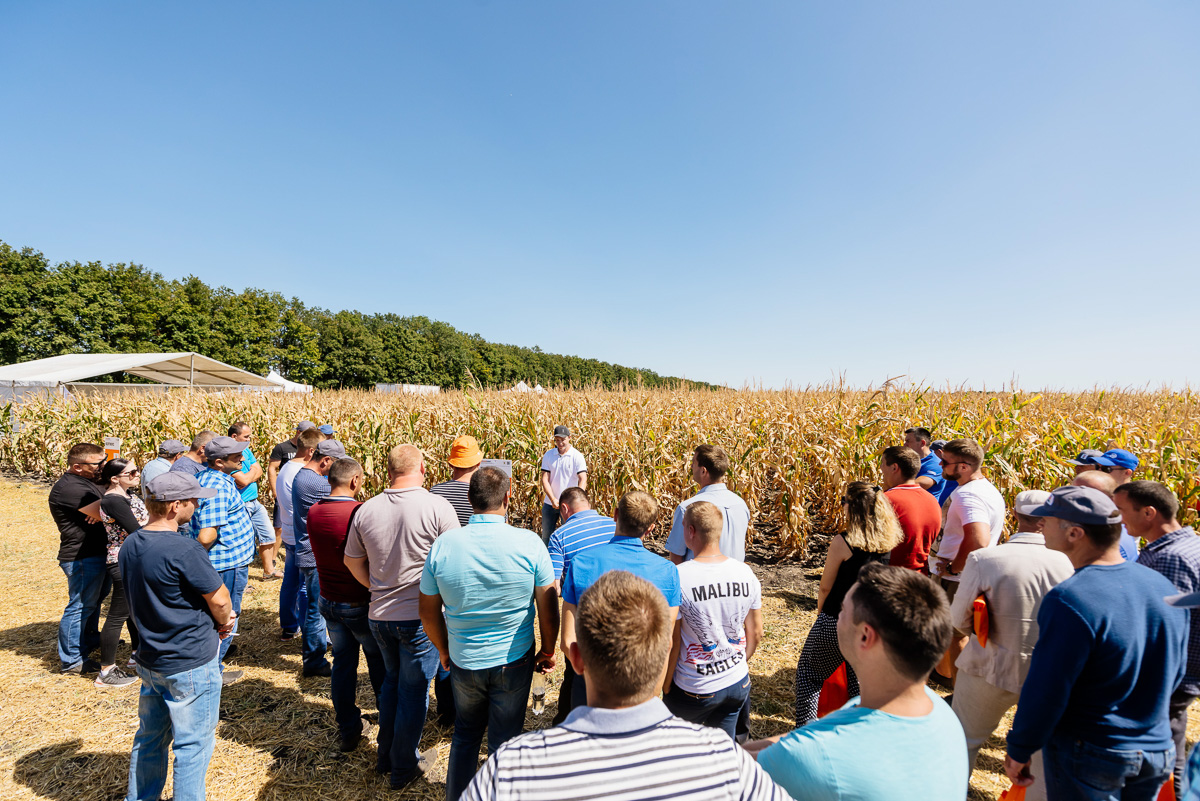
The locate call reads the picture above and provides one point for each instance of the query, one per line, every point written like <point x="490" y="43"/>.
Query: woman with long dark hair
<point x="872" y="531"/>
<point x="122" y="511"/>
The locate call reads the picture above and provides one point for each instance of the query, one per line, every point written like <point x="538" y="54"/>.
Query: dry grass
<point x="64" y="739"/>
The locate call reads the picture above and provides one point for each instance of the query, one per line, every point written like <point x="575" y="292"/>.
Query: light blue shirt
<point x="154" y="468"/>
<point x="250" y="491"/>
<point x="486" y="572"/>
<point x="583" y="530"/>
<point x="733" y="532"/>
<point x="858" y="754"/>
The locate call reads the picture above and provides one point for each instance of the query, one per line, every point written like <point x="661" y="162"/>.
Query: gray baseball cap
<point x="562" y="431"/>
<point x="1082" y="505"/>
<point x="175" y="486"/>
<point x="937" y="444"/>
<point x="1086" y="457"/>
<point x="220" y="447"/>
<point x="304" y="425"/>
<point x="1027" y="501"/>
<point x="330" y="447"/>
<point x="172" y="447"/>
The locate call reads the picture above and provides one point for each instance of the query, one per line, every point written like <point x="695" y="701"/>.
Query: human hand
<point x="444" y="658"/>
<point x="1018" y="772"/>
<point x="544" y="662"/>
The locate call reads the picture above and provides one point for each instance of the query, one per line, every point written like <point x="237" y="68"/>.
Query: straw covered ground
<point x="61" y="738"/>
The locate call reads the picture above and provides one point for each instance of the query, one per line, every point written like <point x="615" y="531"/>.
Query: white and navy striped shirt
<point x="581" y="531"/>
<point x="642" y="753"/>
<point x="456" y="493"/>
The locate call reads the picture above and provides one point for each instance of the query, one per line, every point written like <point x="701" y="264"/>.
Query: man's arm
<point x="546" y="600"/>
<point x="546" y="488"/>
<point x="359" y="568"/>
<point x="975" y="536"/>
<point x="754" y="632"/>
<point x="91" y="511"/>
<point x="673" y="657"/>
<point x="245" y="479"/>
<point x="207" y="537"/>
<point x="675" y="545"/>
<point x="273" y="473"/>
<point x="962" y="609"/>
<point x="925" y="482"/>
<point x="581" y="477"/>
<point x="220" y="607"/>
<point x="434" y="623"/>
<point x="568" y="627"/>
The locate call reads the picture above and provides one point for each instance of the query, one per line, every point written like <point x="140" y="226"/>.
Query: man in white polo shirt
<point x="709" y="466"/>
<point x="562" y="467"/>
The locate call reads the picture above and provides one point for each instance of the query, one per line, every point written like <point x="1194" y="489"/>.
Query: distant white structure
<point x="521" y="386"/>
<point x="285" y="385"/>
<point x="409" y="389"/>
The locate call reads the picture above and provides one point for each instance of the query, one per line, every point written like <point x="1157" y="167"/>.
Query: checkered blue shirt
<point x="1177" y="556"/>
<point x="226" y="512"/>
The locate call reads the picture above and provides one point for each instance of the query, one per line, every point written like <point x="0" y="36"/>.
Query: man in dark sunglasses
<point x="1118" y="463"/>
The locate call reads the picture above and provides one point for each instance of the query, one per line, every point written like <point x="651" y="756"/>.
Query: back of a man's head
<point x="309" y="439"/>
<point x="909" y="612"/>
<point x="202" y="439"/>
<point x="576" y="498"/>
<point x="624" y="633"/>
<point x="713" y="459"/>
<point x="708" y="521"/>
<point x="636" y="513"/>
<point x="1097" y="480"/>
<point x="908" y="460"/>
<point x="403" y="460"/>
<point x="343" y="471"/>
<point x="487" y="489"/>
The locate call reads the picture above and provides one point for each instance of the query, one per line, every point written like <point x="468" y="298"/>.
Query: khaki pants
<point x="980" y="706"/>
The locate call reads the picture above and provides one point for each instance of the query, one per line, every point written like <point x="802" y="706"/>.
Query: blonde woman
<point x="872" y="531"/>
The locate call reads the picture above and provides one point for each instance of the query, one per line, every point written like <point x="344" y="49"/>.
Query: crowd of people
<point x="1078" y="618"/>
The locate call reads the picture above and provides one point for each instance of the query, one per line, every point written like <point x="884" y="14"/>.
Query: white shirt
<point x="715" y="599"/>
<point x="976" y="501"/>
<point x="733" y="510"/>
<point x="283" y="496"/>
<point x="564" y="470"/>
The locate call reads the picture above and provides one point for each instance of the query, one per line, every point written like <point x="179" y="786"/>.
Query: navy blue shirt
<point x="1109" y="654"/>
<point x="166" y="576"/>
<point x="931" y="466"/>
<point x="623" y="553"/>
<point x="308" y="488"/>
<point x="186" y="464"/>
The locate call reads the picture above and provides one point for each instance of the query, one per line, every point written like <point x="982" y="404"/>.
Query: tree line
<point x="75" y="307"/>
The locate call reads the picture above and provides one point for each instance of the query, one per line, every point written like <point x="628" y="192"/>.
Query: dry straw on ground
<point x="792" y="452"/>
<point x="64" y="739"/>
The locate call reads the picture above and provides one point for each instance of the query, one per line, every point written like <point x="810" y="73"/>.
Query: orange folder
<point x="834" y="692"/>
<point x="1013" y="793"/>
<point x="979" y="611"/>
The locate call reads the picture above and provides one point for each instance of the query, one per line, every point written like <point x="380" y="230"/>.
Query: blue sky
<point x="773" y="193"/>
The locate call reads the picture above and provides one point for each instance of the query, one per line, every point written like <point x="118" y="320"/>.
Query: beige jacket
<point x="1014" y="578"/>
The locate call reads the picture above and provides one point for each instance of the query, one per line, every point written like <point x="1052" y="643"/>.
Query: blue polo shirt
<point x="583" y="530"/>
<point x="623" y="553"/>
<point x="250" y="491"/>
<point x="931" y="467"/>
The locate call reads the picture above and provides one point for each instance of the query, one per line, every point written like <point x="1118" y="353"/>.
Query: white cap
<point x="1029" y="500"/>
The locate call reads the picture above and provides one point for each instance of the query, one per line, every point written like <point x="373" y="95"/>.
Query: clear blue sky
<point x="772" y="192"/>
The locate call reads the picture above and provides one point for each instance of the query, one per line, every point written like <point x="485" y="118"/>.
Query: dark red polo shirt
<point x="328" y="522"/>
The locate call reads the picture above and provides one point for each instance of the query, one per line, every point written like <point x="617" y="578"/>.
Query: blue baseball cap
<point x="1088" y="456"/>
<point x="1118" y="457"/>
<point x="326" y="429"/>
<point x="1081" y="505"/>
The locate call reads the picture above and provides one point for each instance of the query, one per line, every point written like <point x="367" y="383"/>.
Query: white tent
<point x="60" y="374"/>
<point x="287" y="386"/>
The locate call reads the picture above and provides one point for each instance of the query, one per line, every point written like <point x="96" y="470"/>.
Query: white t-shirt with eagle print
<point x="716" y="597"/>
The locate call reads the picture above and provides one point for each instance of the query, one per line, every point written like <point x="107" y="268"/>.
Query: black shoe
<point x="405" y="781"/>
<point x="348" y="742"/>
<point x="323" y="670"/>
<point x="289" y="634"/>
<point x="232" y="652"/>
<point x="86" y="666"/>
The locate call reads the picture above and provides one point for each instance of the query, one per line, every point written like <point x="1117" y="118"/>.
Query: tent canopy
<point x="180" y="369"/>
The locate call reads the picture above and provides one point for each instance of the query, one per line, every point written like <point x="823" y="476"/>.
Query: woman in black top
<point x="122" y="512"/>
<point x="872" y="531"/>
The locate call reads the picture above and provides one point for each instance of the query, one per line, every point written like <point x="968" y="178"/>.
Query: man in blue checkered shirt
<point x="1149" y="511"/>
<point x="223" y="526"/>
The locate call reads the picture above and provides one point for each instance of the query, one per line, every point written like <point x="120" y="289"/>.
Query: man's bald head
<point x="1097" y="480"/>
<point x="404" y="460"/>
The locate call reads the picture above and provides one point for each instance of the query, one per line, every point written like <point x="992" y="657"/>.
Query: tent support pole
<point x="192" y="371"/>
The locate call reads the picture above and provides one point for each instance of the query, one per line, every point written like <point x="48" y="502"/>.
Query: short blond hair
<point x="404" y="459"/>
<point x="309" y="438"/>
<point x="623" y="628"/>
<point x="636" y="513"/>
<point x="707" y="519"/>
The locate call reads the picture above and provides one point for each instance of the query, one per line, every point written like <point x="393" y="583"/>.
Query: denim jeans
<point x="292" y="595"/>
<point x="85" y="589"/>
<point x="264" y="534"/>
<point x="549" y="522"/>
<point x="312" y="625"/>
<point x="493" y="699"/>
<point x="182" y="707"/>
<point x="411" y="661"/>
<point x="349" y="630"/>
<point x="719" y="709"/>
<point x="235" y="580"/>
<point x="443" y="691"/>
<point x="1079" y="771"/>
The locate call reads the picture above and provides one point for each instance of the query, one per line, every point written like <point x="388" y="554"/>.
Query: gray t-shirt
<point x="394" y="531"/>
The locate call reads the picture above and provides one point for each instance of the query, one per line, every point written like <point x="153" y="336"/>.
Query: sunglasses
<point x="130" y="473"/>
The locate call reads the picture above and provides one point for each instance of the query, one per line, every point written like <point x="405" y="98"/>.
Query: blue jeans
<point x="1079" y="771"/>
<point x="292" y="595"/>
<point x="411" y="661"/>
<point x="312" y="625"/>
<point x="264" y="534"/>
<point x="85" y="589"/>
<point x="349" y="630"/>
<point x="493" y="699"/>
<point x="719" y="709"/>
<point x="549" y="521"/>
<point x="235" y="580"/>
<point x="182" y="707"/>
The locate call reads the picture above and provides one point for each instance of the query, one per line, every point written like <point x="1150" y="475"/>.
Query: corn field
<point x="791" y="452"/>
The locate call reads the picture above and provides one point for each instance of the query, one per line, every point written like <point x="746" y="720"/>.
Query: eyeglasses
<point x="93" y="464"/>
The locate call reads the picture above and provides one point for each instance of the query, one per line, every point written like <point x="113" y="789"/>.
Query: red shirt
<point x="328" y="522"/>
<point x="920" y="518"/>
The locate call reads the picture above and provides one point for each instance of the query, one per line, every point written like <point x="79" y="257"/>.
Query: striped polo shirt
<point x="633" y="754"/>
<point x="581" y="531"/>
<point x="456" y="493"/>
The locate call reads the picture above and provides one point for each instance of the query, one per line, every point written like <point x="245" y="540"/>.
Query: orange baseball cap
<point x="465" y="452"/>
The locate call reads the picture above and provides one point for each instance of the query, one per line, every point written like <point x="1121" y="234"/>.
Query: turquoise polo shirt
<point x="486" y="572"/>
<point x="623" y="553"/>
<point x="250" y="491"/>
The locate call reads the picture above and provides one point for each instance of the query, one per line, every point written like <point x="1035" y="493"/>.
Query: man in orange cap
<point x="465" y="458"/>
